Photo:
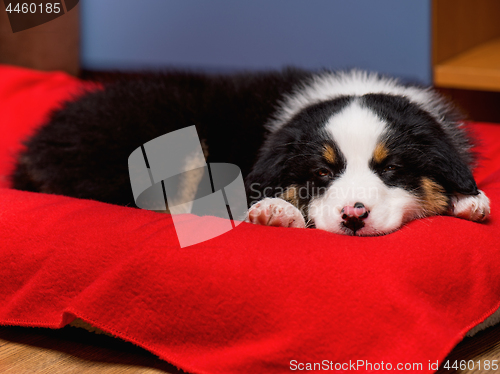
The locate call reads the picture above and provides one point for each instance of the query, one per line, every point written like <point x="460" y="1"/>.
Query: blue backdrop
<point x="390" y="36"/>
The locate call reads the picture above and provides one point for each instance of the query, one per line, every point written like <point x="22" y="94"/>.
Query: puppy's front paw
<point x="275" y="212"/>
<point x="471" y="207"/>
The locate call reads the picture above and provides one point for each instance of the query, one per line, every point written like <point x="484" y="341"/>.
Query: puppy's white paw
<point x="474" y="208"/>
<point x="275" y="212"/>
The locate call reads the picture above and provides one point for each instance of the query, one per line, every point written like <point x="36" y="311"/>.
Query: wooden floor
<point x="481" y="348"/>
<point x="73" y="350"/>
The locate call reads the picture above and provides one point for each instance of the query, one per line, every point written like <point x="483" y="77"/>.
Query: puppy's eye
<point x="323" y="173"/>
<point x="391" y="167"/>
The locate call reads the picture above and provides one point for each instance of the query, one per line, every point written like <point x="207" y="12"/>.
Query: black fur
<point x="83" y="150"/>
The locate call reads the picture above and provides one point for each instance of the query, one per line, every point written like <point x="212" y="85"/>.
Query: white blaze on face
<point x="357" y="131"/>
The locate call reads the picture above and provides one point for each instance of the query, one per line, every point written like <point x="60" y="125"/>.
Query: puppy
<point x="348" y="152"/>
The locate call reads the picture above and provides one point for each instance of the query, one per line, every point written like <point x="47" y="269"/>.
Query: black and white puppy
<point x="347" y="152"/>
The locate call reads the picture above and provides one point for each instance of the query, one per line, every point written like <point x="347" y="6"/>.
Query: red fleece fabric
<point x="254" y="300"/>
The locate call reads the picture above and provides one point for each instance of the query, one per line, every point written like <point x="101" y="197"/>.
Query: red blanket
<point x="254" y="300"/>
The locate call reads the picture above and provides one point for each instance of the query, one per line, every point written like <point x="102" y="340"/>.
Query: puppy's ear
<point x="265" y="173"/>
<point x="454" y="174"/>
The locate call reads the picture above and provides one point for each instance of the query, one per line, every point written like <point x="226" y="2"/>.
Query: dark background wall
<point x="390" y="36"/>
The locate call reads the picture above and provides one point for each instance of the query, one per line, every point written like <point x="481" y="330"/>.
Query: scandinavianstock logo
<point x="26" y="14"/>
<point x="169" y="174"/>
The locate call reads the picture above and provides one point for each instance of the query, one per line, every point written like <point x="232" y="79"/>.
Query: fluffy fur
<point x="350" y="152"/>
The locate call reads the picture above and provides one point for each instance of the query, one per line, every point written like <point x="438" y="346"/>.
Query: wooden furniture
<point x="53" y="45"/>
<point x="466" y="55"/>
<point x="466" y="44"/>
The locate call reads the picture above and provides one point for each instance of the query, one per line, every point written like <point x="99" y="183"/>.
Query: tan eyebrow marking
<point x="329" y="154"/>
<point x="380" y="153"/>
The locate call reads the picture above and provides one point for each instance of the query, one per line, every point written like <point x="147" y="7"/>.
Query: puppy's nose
<point x="353" y="216"/>
<point x="357" y="211"/>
